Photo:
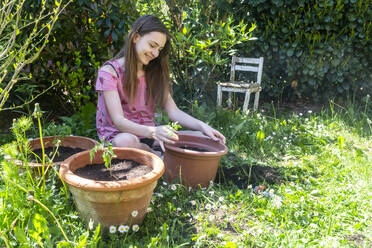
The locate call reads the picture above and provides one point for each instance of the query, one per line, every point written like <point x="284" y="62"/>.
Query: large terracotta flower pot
<point x="84" y="143"/>
<point x="193" y="167"/>
<point x="112" y="202"/>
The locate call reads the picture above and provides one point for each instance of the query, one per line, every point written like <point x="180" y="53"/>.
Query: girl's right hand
<point x="165" y="134"/>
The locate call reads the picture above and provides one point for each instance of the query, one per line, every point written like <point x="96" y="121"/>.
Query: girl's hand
<point x="212" y="133"/>
<point x="165" y="134"/>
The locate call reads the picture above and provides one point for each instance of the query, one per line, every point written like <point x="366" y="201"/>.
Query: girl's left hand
<point x="212" y="133"/>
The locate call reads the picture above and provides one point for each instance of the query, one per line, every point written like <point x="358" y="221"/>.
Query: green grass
<point x="315" y="169"/>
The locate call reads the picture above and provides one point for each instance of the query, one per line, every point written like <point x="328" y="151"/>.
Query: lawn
<point x="289" y="180"/>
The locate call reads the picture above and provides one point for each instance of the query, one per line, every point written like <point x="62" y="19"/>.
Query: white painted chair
<point x="246" y="65"/>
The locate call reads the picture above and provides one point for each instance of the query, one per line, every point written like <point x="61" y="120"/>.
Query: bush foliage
<point x="25" y="32"/>
<point x="313" y="49"/>
<point x="85" y="37"/>
<point x="319" y="49"/>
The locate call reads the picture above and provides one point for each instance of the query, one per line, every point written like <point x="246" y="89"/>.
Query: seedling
<point x="175" y="126"/>
<point x="107" y="154"/>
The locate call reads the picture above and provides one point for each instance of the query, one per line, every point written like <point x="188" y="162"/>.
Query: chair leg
<point x="229" y="100"/>
<point x="256" y="98"/>
<point x="246" y="101"/>
<point x="219" y="96"/>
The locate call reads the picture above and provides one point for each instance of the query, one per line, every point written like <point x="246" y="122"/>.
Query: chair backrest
<point x="246" y="64"/>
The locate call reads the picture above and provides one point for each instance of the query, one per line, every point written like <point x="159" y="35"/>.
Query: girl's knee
<point x="126" y="140"/>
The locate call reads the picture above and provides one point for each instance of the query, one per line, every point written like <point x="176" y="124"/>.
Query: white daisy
<point x="211" y="218"/>
<point x="135" y="228"/>
<point x="134" y="213"/>
<point x="313" y="225"/>
<point x="122" y="229"/>
<point x="90" y="225"/>
<point x="112" y="229"/>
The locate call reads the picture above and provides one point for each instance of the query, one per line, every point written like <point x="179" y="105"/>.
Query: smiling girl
<point x="130" y="86"/>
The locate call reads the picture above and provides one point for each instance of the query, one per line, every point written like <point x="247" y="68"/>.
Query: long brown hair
<point x="156" y="72"/>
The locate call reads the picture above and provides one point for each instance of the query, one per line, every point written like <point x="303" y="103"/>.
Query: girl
<point x="133" y="83"/>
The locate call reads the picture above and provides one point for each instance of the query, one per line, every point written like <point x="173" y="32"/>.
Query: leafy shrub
<point x="23" y="36"/>
<point x="203" y="42"/>
<point x="314" y="50"/>
<point x="86" y="34"/>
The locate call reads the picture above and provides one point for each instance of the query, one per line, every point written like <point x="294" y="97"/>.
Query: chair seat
<point x="242" y="85"/>
<point x="242" y="64"/>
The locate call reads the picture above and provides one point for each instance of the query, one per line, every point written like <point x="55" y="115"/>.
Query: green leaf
<point x="21" y="236"/>
<point x="231" y="244"/>
<point x="36" y="236"/>
<point x="260" y="136"/>
<point x="63" y="244"/>
<point x="340" y="142"/>
<point x="114" y="36"/>
<point x="40" y="223"/>
<point x="83" y="240"/>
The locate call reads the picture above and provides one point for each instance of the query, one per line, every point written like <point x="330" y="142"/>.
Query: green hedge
<point x="313" y="49"/>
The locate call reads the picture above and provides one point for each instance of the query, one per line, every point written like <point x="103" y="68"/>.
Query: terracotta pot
<point x="84" y="143"/>
<point x="193" y="167"/>
<point x="112" y="202"/>
<point x="68" y="141"/>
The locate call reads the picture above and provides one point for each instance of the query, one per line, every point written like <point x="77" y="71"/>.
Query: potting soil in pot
<point x="198" y="149"/>
<point x="121" y="169"/>
<point x="63" y="153"/>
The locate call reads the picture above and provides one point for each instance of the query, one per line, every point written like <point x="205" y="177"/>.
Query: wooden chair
<point x="246" y="65"/>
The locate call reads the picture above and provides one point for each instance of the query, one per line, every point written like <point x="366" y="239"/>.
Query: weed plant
<point x="289" y="180"/>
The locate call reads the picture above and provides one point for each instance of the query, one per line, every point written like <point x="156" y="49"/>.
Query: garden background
<point x="309" y="142"/>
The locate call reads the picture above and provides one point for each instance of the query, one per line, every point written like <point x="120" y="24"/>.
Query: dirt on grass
<point x="242" y="176"/>
<point x="359" y="240"/>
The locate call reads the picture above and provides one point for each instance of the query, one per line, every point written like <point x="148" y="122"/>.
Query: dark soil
<point x="359" y="240"/>
<point x="239" y="176"/>
<point x="62" y="153"/>
<point x="198" y="149"/>
<point x="121" y="169"/>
